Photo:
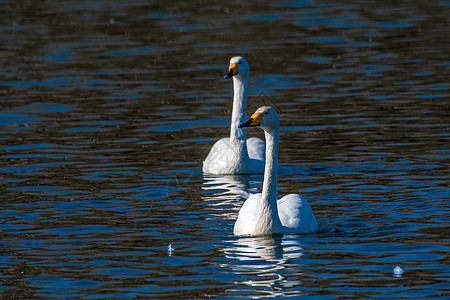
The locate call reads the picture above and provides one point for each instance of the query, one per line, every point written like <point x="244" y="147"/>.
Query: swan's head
<point x="265" y="117"/>
<point x="238" y="67"/>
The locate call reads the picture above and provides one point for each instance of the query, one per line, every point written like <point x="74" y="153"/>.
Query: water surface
<point x="108" y="109"/>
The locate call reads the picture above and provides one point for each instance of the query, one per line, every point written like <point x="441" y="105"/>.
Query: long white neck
<point x="268" y="220"/>
<point x="238" y="137"/>
<point x="238" y="115"/>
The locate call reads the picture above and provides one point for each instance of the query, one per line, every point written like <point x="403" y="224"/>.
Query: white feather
<point x="236" y="155"/>
<point x="262" y="213"/>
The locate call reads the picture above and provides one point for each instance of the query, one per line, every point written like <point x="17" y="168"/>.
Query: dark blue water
<point x="107" y="110"/>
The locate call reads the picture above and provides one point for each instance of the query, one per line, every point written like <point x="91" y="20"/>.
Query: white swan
<point x="261" y="213"/>
<point x="236" y="154"/>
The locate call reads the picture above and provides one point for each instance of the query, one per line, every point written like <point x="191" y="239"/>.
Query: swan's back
<point x="248" y="214"/>
<point x="294" y="212"/>
<point x="215" y="162"/>
<point x="256" y="149"/>
<point x="223" y="160"/>
<point x="296" y="215"/>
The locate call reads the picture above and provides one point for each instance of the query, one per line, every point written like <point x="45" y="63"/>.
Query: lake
<point x="107" y="110"/>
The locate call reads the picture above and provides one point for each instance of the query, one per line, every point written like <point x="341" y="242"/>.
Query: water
<point x="108" y="109"/>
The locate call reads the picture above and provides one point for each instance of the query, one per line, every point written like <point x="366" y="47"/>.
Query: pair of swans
<point x="262" y="213"/>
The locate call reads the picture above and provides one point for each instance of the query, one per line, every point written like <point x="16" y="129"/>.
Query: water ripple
<point x="107" y="112"/>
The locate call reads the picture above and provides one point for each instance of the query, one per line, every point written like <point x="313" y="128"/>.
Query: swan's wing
<point x="217" y="157"/>
<point x="256" y="148"/>
<point x="296" y="215"/>
<point x="246" y="220"/>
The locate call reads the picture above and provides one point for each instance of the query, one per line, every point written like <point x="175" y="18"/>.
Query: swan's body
<point x="261" y="213"/>
<point x="236" y="154"/>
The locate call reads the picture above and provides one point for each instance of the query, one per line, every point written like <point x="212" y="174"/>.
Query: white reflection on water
<point x="235" y="184"/>
<point x="229" y="191"/>
<point x="263" y="262"/>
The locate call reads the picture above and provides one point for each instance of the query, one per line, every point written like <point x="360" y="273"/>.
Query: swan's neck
<point x="238" y="115"/>
<point x="238" y="144"/>
<point x="268" y="220"/>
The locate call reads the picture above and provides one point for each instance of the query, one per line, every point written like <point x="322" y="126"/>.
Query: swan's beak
<point x="255" y="120"/>
<point x="232" y="70"/>
<point x="229" y="74"/>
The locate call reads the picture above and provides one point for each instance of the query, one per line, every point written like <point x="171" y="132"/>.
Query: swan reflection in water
<point x="264" y="259"/>
<point x="229" y="191"/>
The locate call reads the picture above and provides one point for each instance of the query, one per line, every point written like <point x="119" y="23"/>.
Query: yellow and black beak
<point x="255" y="120"/>
<point x="232" y="70"/>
